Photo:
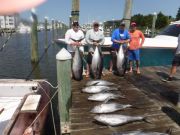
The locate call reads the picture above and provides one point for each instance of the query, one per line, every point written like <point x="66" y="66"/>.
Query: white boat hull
<point x="160" y="41"/>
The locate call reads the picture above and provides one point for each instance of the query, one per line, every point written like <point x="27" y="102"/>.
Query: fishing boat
<point x="23" y="106"/>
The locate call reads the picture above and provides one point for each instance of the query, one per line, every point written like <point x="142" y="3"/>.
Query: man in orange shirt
<point x="136" y="42"/>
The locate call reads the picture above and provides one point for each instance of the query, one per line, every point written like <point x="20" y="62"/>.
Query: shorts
<point x="176" y="60"/>
<point x="134" y="55"/>
<point x="89" y="58"/>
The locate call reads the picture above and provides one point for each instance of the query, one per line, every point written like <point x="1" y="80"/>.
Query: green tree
<point x="178" y="15"/>
<point x="162" y="20"/>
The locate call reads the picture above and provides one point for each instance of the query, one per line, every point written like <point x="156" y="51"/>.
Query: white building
<point x="8" y="22"/>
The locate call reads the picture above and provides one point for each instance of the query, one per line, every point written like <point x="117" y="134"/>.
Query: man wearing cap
<point x="136" y="42"/>
<point x="120" y="36"/>
<point x="94" y="37"/>
<point x="74" y="37"/>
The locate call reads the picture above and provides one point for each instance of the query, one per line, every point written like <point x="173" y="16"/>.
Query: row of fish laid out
<point x="101" y="91"/>
<point x="139" y="132"/>
<point x="97" y="64"/>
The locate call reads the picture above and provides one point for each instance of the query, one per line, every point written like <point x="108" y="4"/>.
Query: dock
<point x="154" y="99"/>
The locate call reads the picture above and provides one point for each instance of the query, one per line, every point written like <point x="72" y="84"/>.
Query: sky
<point x="102" y="10"/>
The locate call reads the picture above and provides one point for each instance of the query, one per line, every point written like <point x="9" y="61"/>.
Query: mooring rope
<point x="50" y="100"/>
<point x="41" y="57"/>
<point x="52" y="112"/>
<point x="5" y="43"/>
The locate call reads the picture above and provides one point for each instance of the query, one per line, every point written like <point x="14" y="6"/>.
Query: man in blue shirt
<point x="120" y="36"/>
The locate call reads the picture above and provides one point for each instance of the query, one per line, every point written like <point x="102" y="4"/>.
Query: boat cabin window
<point x="171" y="30"/>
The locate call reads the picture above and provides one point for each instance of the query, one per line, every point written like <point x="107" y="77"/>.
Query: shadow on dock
<point x="172" y="113"/>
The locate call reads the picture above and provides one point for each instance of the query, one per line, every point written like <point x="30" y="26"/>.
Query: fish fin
<point x="135" y="107"/>
<point x="122" y="96"/>
<point x="107" y="100"/>
<point x="95" y="83"/>
<point x="169" y="131"/>
<point x="145" y="119"/>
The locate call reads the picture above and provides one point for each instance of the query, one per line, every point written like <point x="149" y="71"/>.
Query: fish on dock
<point x="109" y="107"/>
<point x="116" y="119"/>
<point x="77" y="65"/>
<point x="99" y="83"/>
<point x="97" y="64"/>
<point x="139" y="133"/>
<point x="98" y="89"/>
<point x="121" y="61"/>
<point x="104" y="96"/>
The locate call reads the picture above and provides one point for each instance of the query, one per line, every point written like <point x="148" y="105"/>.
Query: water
<point x="15" y="61"/>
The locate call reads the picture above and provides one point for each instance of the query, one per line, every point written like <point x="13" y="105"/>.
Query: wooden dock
<point x="155" y="100"/>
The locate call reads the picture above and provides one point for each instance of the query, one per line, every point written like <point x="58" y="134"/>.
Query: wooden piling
<point x="154" y="24"/>
<point x="64" y="88"/>
<point x="127" y="12"/>
<point x="46" y="34"/>
<point x="34" y="38"/>
<point x="53" y="34"/>
<point x="56" y="24"/>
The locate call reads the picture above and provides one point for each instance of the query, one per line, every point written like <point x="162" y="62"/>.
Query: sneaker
<point x="169" y="79"/>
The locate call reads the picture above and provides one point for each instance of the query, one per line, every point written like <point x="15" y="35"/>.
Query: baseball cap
<point x="96" y="24"/>
<point x="122" y="23"/>
<point x="133" y="24"/>
<point x="75" y="23"/>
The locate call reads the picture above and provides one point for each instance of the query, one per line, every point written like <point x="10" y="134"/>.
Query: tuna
<point x="139" y="133"/>
<point x="98" y="89"/>
<point x="104" y="97"/>
<point x="77" y="65"/>
<point x="109" y="107"/>
<point x="99" y="83"/>
<point x="121" y="61"/>
<point x="97" y="64"/>
<point x="116" y="119"/>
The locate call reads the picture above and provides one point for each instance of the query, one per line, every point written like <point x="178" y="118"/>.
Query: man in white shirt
<point x="74" y="37"/>
<point x="94" y="37"/>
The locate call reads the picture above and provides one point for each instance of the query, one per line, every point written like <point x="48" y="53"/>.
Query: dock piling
<point x="34" y="38"/>
<point x="64" y="88"/>
<point x="127" y="12"/>
<point x="46" y="34"/>
<point x="53" y="34"/>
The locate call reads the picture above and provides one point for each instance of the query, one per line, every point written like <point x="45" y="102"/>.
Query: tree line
<point x="162" y="21"/>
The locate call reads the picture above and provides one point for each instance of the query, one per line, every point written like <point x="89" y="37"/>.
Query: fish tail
<point x="169" y="131"/>
<point x="145" y="119"/>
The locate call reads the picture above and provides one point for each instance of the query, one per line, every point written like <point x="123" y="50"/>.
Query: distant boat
<point x="22" y="29"/>
<point x="20" y="103"/>
<point x="168" y="38"/>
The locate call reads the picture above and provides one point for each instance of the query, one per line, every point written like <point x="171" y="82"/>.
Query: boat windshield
<point x="171" y="30"/>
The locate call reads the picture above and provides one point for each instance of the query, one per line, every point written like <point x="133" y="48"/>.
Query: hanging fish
<point x="121" y="61"/>
<point x="97" y="64"/>
<point x="77" y="65"/>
